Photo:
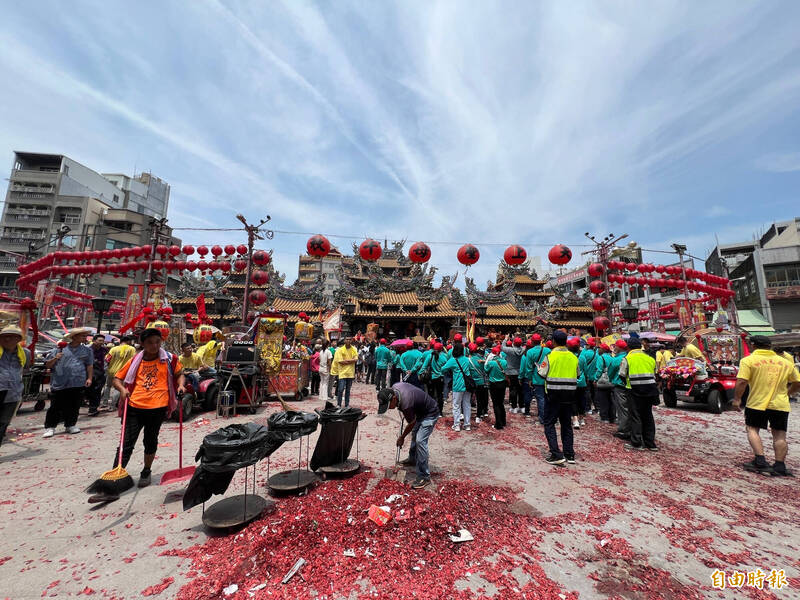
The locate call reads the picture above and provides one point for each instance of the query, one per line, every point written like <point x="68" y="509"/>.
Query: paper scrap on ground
<point x="463" y="536"/>
<point x="231" y="589"/>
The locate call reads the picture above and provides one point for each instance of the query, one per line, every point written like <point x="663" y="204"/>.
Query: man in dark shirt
<point x="95" y="391"/>
<point x="421" y="411"/>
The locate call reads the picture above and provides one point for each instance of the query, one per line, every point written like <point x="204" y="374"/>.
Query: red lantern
<point x="202" y="265"/>
<point x="515" y="255"/>
<point x="137" y="250"/>
<point x="230" y="250"/>
<point x="642" y="269"/>
<point x="241" y="249"/>
<point x="630" y="267"/>
<point x="597" y="286"/>
<point x="599" y="304"/>
<point x="188" y="250"/>
<point x="419" y="253"/>
<point x="216" y="250"/>
<point x="596" y="269"/>
<point x="630" y="280"/>
<point x="260" y="257"/>
<point x="161" y="249"/>
<point x="213" y="266"/>
<point x="370" y="250"/>
<point x="559" y="254"/>
<point x="318" y="245"/>
<point x="158" y="264"/>
<point x="240" y="264"/>
<point x="191" y="266"/>
<point x="174" y="250"/>
<point x="259" y="277"/>
<point x="202" y="250"/>
<point x="468" y="254"/>
<point x="224" y="266"/>
<point x="258" y="297"/>
<point x="601" y="323"/>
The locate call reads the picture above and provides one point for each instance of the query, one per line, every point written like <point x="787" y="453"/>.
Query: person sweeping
<point x="149" y="385"/>
<point x="421" y="412"/>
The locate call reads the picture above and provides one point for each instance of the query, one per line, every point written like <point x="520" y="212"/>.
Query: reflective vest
<point x="562" y="372"/>
<point x="641" y="369"/>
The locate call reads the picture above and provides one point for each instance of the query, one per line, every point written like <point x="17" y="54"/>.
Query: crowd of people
<point x="556" y="382"/>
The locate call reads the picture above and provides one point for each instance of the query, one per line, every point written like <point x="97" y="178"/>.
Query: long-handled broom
<point x="112" y="483"/>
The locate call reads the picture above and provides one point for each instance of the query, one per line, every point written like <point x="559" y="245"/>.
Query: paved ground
<point x="616" y="525"/>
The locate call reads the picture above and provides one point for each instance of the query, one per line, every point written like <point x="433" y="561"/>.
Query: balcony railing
<point x="27" y="218"/>
<point x="24" y="176"/>
<point x="43" y="212"/>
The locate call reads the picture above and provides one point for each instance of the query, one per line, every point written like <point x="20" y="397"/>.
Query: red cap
<point x="517" y="341"/>
<point x="437" y="346"/>
<point x="605" y="347"/>
<point x="549" y="343"/>
<point x="457" y="337"/>
<point x="410" y="345"/>
<point x="529" y="343"/>
<point x="536" y="337"/>
<point x="383" y="340"/>
<point x="496" y="350"/>
<point x="479" y="341"/>
<point x="472" y="347"/>
<point x="574" y="342"/>
<point x="449" y="346"/>
<point x="621" y="344"/>
<point x="590" y="342"/>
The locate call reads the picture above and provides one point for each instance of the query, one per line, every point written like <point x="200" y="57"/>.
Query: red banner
<point x="133" y="302"/>
<point x="684" y="310"/>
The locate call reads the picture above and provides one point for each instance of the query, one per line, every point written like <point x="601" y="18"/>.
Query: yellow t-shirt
<point x="192" y="363"/>
<point x="119" y="356"/>
<point x="345" y="371"/>
<point x="692" y="351"/>
<point x="208" y="353"/>
<point x="768" y="375"/>
<point x="662" y="358"/>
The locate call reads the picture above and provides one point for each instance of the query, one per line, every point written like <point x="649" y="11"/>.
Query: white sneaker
<point x="477" y="419"/>
<point x="467" y="427"/>
<point x="456" y="427"/>
<point x="73" y="429"/>
<point x="582" y="422"/>
<point x="49" y="432"/>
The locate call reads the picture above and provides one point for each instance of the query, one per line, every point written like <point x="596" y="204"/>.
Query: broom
<point x="112" y="483"/>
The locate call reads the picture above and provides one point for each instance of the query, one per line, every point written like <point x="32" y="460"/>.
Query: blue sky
<point x="502" y="122"/>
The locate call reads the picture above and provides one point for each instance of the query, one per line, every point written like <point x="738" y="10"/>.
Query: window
<point x="66" y="170"/>
<point x="116" y="245"/>
<point x="116" y="199"/>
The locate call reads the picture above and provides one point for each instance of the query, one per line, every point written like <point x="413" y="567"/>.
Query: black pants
<point x="579" y="402"/>
<point x="643" y="426"/>
<point x="602" y="399"/>
<point x="558" y="409"/>
<point x="371" y="372"/>
<point x="622" y="407"/>
<point x="64" y="407"/>
<point x="95" y="391"/>
<point x="396" y="373"/>
<point x="314" y="383"/>
<point x="497" y="390"/>
<point x="6" y="412"/>
<point x="380" y="379"/>
<point x="515" y="398"/>
<point x="149" y="419"/>
<point x="435" y="388"/>
<point x="482" y="400"/>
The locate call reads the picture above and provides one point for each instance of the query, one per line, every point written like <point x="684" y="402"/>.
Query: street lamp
<point x="349" y="308"/>
<point x="480" y="311"/>
<point x="101" y="304"/>
<point x="222" y="304"/>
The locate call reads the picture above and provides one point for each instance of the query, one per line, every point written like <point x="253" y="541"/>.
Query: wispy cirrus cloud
<point x="526" y="122"/>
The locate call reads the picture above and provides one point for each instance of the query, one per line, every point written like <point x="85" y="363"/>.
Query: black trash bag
<point x="222" y="453"/>
<point x="292" y="424"/>
<point x="339" y="426"/>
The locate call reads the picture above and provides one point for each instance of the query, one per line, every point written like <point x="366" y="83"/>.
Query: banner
<point x="653" y="309"/>
<point x="684" y="312"/>
<point x="133" y="302"/>
<point x="157" y="298"/>
<point x="333" y="321"/>
<point x="13" y="314"/>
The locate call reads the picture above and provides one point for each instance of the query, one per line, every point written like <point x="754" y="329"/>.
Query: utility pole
<point x="603" y="250"/>
<point x="155" y="235"/>
<point x="253" y="234"/>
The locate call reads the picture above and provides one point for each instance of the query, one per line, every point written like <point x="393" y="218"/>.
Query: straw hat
<point x="76" y="331"/>
<point x="11" y="330"/>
